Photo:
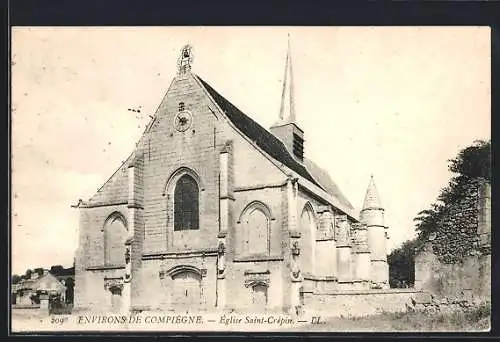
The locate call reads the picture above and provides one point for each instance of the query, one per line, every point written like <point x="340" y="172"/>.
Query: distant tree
<point x="470" y="163"/>
<point x="70" y="286"/>
<point x="27" y="275"/>
<point x="39" y="270"/>
<point x="56" y="269"/>
<point x="473" y="161"/>
<point x="402" y="265"/>
<point x="16" y="278"/>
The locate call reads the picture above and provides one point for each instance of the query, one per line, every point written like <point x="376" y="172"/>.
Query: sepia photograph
<point x="250" y="179"/>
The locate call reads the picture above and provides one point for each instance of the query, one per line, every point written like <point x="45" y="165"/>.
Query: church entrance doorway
<point x="186" y="292"/>
<point x="116" y="298"/>
<point x="259" y="297"/>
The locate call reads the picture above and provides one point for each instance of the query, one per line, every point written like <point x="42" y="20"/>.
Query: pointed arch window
<point x="308" y="229"/>
<point x="186" y="204"/>
<point x="257" y="232"/>
<point x="254" y="232"/>
<point x="115" y="235"/>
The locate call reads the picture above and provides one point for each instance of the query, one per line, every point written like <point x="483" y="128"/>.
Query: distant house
<point x="60" y="285"/>
<point x="23" y="293"/>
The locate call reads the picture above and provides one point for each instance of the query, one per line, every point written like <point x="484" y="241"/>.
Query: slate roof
<point x="261" y="136"/>
<point x="274" y="147"/>
<point x="327" y="182"/>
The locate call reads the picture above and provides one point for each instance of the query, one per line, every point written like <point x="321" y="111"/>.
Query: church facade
<point x="214" y="212"/>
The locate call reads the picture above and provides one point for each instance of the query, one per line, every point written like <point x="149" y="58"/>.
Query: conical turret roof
<point x="372" y="198"/>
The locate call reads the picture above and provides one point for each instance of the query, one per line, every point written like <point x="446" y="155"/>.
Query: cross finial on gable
<point x="185" y="59"/>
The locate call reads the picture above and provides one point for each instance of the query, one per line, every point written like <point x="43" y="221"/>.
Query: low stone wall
<point x="358" y="303"/>
<point x="452" y="280"/>
<point x="25" y="306"/>
<point x="428" y="303"/>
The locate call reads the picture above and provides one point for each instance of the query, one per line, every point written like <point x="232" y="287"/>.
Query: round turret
<point x="372" y="215"/>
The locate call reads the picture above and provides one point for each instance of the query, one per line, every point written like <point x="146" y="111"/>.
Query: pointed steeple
<point x="287" y="109"/>
<point x="372" y="198"/>
<point x="286" y="129"/>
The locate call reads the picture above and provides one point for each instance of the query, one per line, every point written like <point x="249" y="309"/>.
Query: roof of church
<point x="372" y="198"/>
<point x="275" y="147"/>
<point x="327" y="182"/>
<point x="255" y="132"/>
<point x="261" y="136"/>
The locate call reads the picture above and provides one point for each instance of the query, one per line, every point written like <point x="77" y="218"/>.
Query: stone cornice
<point x="259" y="187"/>
<point x="105" y="267"/>
<point x="308" y="276"/>
<point x="179" y="254"/>
<point x="258" y="258"/>
<point x="103" y="204"/>
<point x="135" y="206"/>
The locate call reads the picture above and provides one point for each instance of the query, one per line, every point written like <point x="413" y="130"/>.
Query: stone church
<point x="212" y="211"/>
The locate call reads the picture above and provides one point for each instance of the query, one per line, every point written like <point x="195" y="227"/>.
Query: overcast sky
<point x="395" y="102"/>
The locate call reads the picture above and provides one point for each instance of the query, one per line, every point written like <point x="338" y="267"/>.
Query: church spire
<point x="286" y="129"/>
<point x="372" y="198"/>
<point x="287" y="109"/>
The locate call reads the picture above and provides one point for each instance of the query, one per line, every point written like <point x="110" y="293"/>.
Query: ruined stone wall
<point x="456" y="260"/>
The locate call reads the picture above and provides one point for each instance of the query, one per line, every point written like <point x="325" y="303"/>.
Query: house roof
<point x="275" y="147"/>
<point x="261" y="136"/>
<point x="46" y="282"/>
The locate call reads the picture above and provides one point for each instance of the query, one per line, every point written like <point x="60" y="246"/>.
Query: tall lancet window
<point x="186" y="204"/>
<point x="115" y="235"/>
<point x="308" y="239"/>
<point x="257" y="227"/>
<point x="254" y="231"/>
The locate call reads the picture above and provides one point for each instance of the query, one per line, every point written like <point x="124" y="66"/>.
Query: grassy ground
<point x="470" y="320"/>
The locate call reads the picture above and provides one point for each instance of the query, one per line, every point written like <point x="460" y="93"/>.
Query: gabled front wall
<point x="166" y="151"/>
<point x="197" y="151"/>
